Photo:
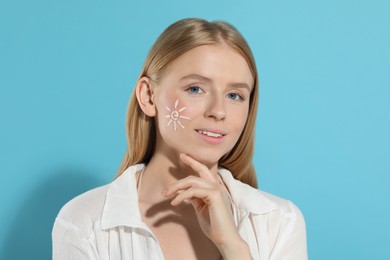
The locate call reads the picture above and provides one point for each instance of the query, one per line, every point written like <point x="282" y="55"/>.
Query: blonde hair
<point x="177" y="39"/>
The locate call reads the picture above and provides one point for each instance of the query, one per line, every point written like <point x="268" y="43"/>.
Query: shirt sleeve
<point x="69" y="243"/>
<point x="291" y="239"/>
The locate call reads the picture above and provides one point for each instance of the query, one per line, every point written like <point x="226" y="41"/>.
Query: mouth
<point x="209" y="133"/>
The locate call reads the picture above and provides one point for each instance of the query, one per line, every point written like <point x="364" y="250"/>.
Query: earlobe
<point x="145" y="96"/>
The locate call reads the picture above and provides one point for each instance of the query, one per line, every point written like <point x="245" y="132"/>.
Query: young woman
<point x="186" y="188"/>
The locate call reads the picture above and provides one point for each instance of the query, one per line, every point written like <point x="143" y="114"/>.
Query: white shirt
<point x="105" y="223"/>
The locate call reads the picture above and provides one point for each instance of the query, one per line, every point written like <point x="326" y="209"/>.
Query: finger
<point x="199" y="168"/>
<point x="192" y="193"/>
<point x="187" y="183"/>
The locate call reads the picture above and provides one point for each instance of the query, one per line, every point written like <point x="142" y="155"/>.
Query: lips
<point x="211" y="133"/>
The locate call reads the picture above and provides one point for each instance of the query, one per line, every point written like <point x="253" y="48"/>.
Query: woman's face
<point x="202" y="103"/>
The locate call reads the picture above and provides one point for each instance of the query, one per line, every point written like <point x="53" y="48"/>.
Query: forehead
<point x="220" y="63"/>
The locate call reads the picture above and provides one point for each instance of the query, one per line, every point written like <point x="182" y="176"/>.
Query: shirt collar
<point x="245" y="197"/>
<point x="121" y="205"/>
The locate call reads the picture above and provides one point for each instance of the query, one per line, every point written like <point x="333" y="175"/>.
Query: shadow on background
<point x="29" y="236"/>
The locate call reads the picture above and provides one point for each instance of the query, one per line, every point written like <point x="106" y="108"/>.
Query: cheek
<point x="174" y="114"/>
<point x="239" y="119"/>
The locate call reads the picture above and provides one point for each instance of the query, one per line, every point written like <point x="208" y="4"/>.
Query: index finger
<point x="199" y="168"/>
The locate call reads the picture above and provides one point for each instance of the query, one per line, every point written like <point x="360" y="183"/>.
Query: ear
<point x="145" y="96"/>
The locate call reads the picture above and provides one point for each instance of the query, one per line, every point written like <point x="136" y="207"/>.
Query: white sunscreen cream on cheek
<point x="175" y="114"/>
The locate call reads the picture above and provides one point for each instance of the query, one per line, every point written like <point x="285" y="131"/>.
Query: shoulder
<point x="286" y="228"/>
<point x="276" y="212"/>
<point x="259" y="202"/>
<point x="282" y="206"/>
<point x="82" y="211"/>
<point x="277" y="224"/>
<point x="253" y="200"/>
<point x="286" y="218"/>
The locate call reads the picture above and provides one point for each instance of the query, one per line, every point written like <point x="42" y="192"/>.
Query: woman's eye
<point x="195" y="90"/>
<point x="235" y="96"/>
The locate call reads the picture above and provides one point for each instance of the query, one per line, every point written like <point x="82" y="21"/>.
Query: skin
<point x="182" y="193"/>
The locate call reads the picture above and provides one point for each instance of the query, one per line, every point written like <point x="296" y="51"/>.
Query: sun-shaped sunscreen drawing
<point x="174" y="115"/>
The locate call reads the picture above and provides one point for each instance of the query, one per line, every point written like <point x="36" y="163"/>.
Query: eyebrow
<point x="205" y="79"/>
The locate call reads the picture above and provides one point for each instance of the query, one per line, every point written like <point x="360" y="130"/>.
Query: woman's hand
<point x="211" y="202"/>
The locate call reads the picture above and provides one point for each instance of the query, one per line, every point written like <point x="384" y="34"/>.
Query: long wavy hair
<point x="177" y="39"/>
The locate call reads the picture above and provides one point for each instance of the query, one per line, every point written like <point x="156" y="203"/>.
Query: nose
<point x="216" y="108"/>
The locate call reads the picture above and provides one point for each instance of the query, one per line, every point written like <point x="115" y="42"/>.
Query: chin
<point x="206" y="158"/>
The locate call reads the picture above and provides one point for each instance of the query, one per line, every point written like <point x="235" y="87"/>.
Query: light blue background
<point x="67" y="69"/>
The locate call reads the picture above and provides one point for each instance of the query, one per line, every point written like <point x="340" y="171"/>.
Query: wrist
<point x="234" y="249"/>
